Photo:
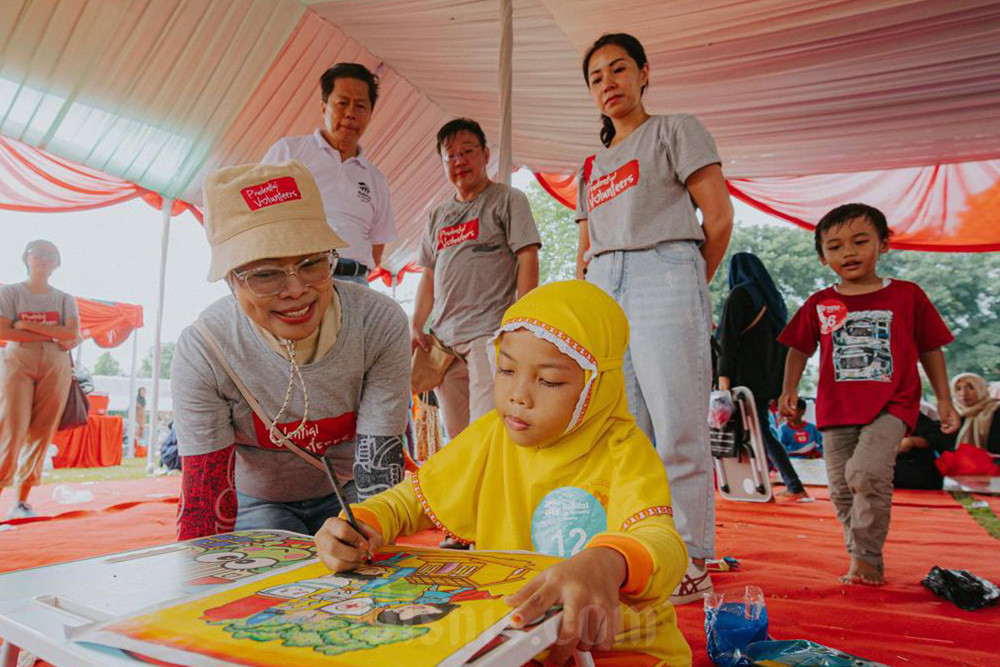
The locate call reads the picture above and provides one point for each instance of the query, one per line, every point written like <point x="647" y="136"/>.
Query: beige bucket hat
<point x="256" y="211"/>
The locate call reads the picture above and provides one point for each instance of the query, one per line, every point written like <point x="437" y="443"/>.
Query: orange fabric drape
<point x="562" y="187"/>
<point x="945" y="208"/>
<point x="387" y="277"/>
<point x="108" y="323"/>
<point x="97" y="444"/>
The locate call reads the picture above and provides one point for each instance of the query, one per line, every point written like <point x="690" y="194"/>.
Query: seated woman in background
<point x="980" y="425"/>
<point x="915" y="467"/>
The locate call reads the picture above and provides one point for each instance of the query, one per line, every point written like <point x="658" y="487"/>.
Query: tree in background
<point x="166" y="359"/>
<point x="107" y="365"/>
<point x="556" y="226"/>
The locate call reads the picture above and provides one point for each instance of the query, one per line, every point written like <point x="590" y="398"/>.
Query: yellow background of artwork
<point x="178" y="627"/>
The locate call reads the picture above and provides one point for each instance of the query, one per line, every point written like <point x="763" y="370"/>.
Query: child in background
<point x="559" y="467"/>
<point x="871" y="332"/>
<point x="800" y="438"/>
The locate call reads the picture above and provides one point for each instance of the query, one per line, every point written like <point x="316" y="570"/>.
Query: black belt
<point x="349" y="267"/>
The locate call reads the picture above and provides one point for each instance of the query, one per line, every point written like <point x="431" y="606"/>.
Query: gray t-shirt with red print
<point x="471" y="247"/>
<point x="54" y="307"/>
<point x="362" y="385"/>
<point x="633" y="195"/>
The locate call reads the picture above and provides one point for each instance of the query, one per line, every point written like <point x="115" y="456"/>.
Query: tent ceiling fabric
<point x="787" y="87"/>
<point x="158" y="92"/>
<point x="138" y="89"/>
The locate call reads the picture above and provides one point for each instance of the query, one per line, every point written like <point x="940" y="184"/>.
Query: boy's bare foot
<point x="791" y="497"/>
<point x="864" y="573"/>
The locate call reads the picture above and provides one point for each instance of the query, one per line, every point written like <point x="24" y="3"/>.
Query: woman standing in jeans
<point x="640" y="240"/>
<point x="754" y="315"/>
<point x="40" y="324"/>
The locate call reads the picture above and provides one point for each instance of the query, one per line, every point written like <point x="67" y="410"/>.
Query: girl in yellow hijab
<point x="559" y="467"/>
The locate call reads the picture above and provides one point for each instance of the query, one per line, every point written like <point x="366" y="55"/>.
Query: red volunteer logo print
<point x="316" y="437"/>
<point x="464" y="231"/>
<point x="832" y="315"/>
<point x="605" y="188"/>
<point x="40" y="317"/>
<point x="275" y="191"/>
<point x="801" y="437"/>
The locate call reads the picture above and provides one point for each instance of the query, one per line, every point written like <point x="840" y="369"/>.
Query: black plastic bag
<point x="962" y="587"/>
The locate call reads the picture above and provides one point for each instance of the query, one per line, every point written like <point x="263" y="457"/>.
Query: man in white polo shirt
<point x="355" y="193"/>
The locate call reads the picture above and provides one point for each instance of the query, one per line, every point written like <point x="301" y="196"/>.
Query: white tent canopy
<point x="161" y="91"/>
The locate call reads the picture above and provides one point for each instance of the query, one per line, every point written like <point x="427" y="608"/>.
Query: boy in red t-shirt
<point x="871" y="332"/>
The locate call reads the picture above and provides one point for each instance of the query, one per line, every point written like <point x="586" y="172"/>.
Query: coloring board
<point x="410" y="606"/>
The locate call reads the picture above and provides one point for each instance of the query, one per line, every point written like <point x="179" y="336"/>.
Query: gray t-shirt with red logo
<point x="471" y="248"/>
<point x="362" y="385"/>
<point x="54" y="307"/>
<point x="633" y="195"/>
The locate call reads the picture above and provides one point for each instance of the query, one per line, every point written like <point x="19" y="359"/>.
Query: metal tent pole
<point x="506" y="87"/>
<point x="152" y="450"/>
<point x="131" y="394"/>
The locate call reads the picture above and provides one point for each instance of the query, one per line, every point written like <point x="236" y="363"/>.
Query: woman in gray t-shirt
<point x="641" y="241"/>
<point x="39" y="324"/>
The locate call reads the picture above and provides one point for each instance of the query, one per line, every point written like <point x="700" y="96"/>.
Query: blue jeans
<point x="299" y="516"/>
<point x="776" y="451"/>
<point x="668" y="370"/>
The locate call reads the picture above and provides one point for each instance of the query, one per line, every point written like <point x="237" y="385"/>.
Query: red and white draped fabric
<point x="948" y="208"/>
<point x="388" y="277"/>
<point x="36" y="181"/>
<point x="107" y="323"/>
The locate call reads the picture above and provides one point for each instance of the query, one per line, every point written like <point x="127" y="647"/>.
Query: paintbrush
<point x="351" y="520"/>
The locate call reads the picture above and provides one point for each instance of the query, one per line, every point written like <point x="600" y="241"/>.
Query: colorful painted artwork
<point x="409" y="606"/>
<point x="223" y="559"/>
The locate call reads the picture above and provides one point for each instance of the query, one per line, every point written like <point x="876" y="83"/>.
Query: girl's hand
<point x="950" y="419"/>
<point x="341" y="548"/>
<point x="587" y="588"/>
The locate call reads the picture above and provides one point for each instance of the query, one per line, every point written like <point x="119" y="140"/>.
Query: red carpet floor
<point x="793" y="552"/>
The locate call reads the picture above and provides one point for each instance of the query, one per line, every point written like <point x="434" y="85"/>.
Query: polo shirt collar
<point x="322" y="143"/>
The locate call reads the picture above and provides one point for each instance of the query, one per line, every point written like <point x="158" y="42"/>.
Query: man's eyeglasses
<point x="271" y="280"/>
<point x="465" y="154"/>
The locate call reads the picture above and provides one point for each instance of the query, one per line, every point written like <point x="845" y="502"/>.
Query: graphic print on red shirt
<point x="316" y="437"/>
<point x="460" y="233"/>
<point x="605" y="188"/>
<point x="862" y="347"/>
<point x="41" y="317"/>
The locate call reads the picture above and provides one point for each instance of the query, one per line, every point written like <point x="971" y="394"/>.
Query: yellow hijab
<point x="603" y="474"/>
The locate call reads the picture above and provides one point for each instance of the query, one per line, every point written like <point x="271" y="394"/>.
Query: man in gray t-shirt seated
<point x="290" y="369"/>
<point x="479" y="254"/>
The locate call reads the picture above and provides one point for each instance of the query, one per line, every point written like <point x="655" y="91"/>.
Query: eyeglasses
<point x="266" y="281"/>
<point x="465" y="154"/>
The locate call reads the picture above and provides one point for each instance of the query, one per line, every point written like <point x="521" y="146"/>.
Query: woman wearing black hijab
<point x="754" y="315"/>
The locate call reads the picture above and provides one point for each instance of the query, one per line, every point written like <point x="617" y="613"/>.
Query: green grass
<point x="134" y="468"/>
<point x="981" y="512"/>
